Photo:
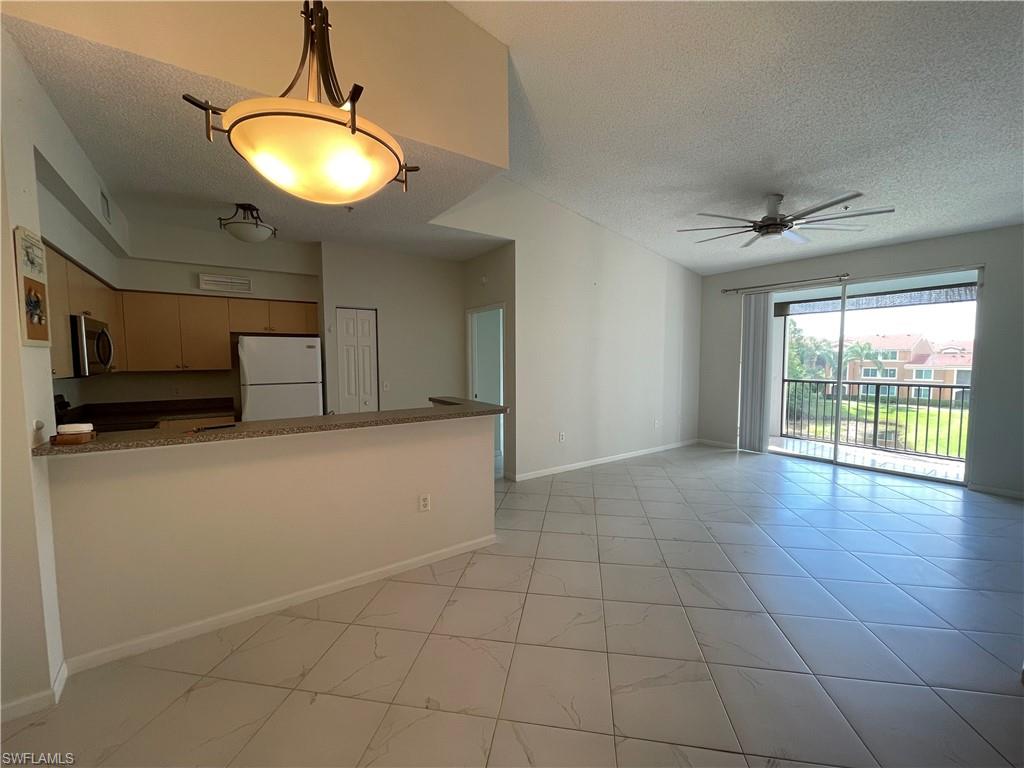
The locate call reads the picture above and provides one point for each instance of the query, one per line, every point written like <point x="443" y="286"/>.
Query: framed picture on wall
<point x="35" y="310"/>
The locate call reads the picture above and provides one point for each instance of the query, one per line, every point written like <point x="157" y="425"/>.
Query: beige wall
<point x="421" y="325"/>
<point x="996" y="452"/>
<point x="607" y="333"/>
<point x="161" y="543"/>
<point x="430" y="47"/>
<point x="491" y="279"/>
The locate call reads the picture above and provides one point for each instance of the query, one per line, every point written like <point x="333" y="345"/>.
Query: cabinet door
<point x="312" y="319"/>
<point x="287" y="317"/>
<point x="205" y="333"/>
<point x="115" y="324"/>
<point x="152" y="331"/>
<point x="60" y="326"/>
<point x="249" y="315"/>
<point x="86" y="294"/>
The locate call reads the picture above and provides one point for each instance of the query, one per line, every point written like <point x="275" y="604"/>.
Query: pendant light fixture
<point x="311" y="149"/>
<point x="246" y="225"/>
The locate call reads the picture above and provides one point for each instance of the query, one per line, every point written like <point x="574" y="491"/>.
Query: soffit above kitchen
<point x="640" y="115"/>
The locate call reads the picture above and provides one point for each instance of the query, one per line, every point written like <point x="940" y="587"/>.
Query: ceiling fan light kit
<point x="317" y="151"/>
<point x="246" y="225"/>
<point x="775" y="225"/>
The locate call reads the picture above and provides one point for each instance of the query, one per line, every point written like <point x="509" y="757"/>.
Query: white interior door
<point x="356" y="331"/>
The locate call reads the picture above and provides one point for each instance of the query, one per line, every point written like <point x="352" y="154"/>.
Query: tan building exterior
<point x="906" y="359"/>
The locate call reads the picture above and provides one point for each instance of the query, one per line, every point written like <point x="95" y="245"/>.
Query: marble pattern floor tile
<point x="409" y="737"/>
<point x="366" y="663"/>
<point x="461" y="661"/>
<point x="207" y="726"/>
<point x="313" y="730"/>
<point x="907" y="725"/>
<point x="788" y="716"/>
<point x="559" y="687"/>
<point x="521" y="745"/>
<point x="563" y="622"/>
<point x="668" y="700"/>
<point x="458" y="674"/>
<point x="281" y="653"/>
<point x="482" y="613"/>
<point x="647" y="629"/>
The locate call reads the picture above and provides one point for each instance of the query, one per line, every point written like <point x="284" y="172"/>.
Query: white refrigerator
<point x="280" y="377"/>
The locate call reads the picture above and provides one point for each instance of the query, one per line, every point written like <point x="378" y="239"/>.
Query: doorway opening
<point x="876" y="374"/>
<point x="358" y="374"/>
<point x="485" y="334"/>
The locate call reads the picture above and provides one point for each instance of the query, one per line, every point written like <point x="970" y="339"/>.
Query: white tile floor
<point x="868" y="458"/>
<point x="696" y="607"/>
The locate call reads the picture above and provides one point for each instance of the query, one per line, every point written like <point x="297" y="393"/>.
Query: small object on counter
<point x="214" y="426"/>
<point x="72" y="438"/>
<point x="74" y="429"/>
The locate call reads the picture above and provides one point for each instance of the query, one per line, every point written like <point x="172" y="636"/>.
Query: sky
<point x="936" y="322"/>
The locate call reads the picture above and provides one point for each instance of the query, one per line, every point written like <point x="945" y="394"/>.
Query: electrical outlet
<point x="386" y="386"/>
<point x="561" y="437"/>
<point x="657" y="423"/>
<point x="425" y="502"/>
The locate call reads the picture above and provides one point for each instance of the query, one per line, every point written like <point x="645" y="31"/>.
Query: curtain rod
<point x="760" y="288"/>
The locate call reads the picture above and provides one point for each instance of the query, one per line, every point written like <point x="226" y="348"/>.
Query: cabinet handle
<point x="185" y="366"/>
<point x="53" y="371"/>
<point x="87" y="312"/>
<point x="177" y="365"/>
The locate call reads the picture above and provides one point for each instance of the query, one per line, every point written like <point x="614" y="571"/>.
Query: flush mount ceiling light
<point x="246" y="225"/>
<point x="314" y="150"/>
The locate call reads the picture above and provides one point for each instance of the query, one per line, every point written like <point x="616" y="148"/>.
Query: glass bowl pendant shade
<point x="308" y="149"/>
<point x="316" y="150"/>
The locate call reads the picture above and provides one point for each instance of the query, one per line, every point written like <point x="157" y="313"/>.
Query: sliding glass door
<point x="878" y="373"/>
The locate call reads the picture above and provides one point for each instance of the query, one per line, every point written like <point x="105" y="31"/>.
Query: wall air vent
<point x="225" y="283"/>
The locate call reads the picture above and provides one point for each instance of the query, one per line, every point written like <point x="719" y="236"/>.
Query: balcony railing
<point x="924" y="419"/>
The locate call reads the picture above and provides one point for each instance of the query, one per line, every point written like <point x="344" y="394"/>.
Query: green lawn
<point x="939" y="430"/>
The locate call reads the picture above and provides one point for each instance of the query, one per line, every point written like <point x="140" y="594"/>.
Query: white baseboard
<point x="718" y="444"/>
<point x="35" y="702"/>
<point x="185" y="631"/>
<point x="603" y="460"/>
<point x="26" y="705"/>
<point x="1011" y="493"/>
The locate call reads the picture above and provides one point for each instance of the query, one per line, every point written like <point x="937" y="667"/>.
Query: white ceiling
<point x="639" y="115"/>
<point x="150" y="148"/>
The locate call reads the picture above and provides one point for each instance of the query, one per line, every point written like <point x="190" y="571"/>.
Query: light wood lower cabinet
<point x="152" y="331"/>
<point x="59" y="321"/>
<point x="205" y="333"/>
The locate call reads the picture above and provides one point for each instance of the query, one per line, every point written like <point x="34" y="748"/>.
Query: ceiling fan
<point x="777" y="225"/>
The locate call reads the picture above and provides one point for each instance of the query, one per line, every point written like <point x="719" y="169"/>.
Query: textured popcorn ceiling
<point x="150" y="148"/>
<point x="639" y="115"/>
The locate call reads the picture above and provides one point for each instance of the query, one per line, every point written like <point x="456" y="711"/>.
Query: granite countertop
<point x="441" y="408"/>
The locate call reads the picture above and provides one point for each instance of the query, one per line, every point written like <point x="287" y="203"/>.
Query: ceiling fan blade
<point x="822" y="206"/>
<point x="832" y="227"/>
<point x="731" y="218"/>
<point x="719" y="237"/>
<point x="751" y="241"/>
<point x="847" y="215"/>
<point x="796" y="237"/>
<point x="700" y="229"/>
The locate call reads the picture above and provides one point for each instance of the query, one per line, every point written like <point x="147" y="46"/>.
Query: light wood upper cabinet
<point x="288" y="317"/>
<point x="59" y="322"/>
<point x="249" y="315"/>
<point x="115" y="325"/>
<point x="205" y="333"/>
<point x="152" y="331"/>
<point x="87" y="295"/>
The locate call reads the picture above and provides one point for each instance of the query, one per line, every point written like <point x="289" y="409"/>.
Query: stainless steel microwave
<point x="92" y="347"/>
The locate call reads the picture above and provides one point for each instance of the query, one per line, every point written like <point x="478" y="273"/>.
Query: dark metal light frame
<point x="321" y="81"/>
<point x="250" y="214"/>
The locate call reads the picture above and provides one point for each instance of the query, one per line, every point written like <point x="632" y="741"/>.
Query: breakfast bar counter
<point x="442" y="408"/>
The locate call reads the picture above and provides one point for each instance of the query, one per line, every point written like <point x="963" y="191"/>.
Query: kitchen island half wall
<point x="159" y="544"/>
